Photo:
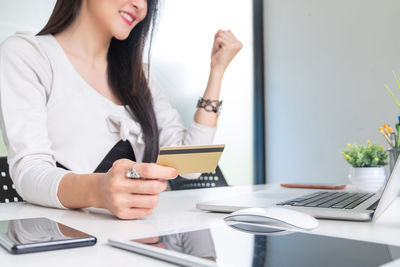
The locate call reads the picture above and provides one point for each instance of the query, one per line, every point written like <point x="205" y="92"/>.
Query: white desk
<point x="176" y="209"/>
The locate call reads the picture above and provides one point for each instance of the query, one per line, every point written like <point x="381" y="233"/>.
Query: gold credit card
<point x="191" y="159"/>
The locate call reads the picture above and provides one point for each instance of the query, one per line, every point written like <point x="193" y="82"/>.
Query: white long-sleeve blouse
<point x="50" y="114"/>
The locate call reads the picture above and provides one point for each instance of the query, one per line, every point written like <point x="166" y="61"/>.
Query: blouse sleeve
<point x="25" y="82"/>
<point x="172" y="131"/>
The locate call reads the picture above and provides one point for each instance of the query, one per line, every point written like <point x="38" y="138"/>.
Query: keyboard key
<point x="348" y="201"/>
<point x="336" y="200"/>
<point x="300" y="198"/>
<point x="358" y="202"/>
<point x="373" y="206"/>
<point x="307" y="201"/>
<point x="325" y="199"/>
<point x="308" y="196"/>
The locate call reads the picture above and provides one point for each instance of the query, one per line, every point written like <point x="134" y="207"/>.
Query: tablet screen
<point x="226" y="246"/>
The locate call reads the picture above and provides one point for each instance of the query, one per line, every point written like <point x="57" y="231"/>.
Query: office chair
<point x="7" y="188"/>
<point x="206" y="180"/>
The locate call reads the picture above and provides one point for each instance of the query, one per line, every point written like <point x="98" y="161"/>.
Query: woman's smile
<point x="127" y="17"/>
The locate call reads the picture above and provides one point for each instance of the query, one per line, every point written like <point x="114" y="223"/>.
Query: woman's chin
<point x="121" y="35"/>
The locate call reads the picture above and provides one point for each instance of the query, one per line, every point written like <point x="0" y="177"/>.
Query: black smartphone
<point x="40" y="234"/>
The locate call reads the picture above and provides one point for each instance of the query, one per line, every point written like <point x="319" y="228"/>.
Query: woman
<point x="78" y="109"/>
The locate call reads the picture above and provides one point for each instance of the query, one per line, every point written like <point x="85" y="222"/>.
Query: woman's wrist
<point x="214" y="84"/>
<point x="94" y="195"/>
<point x="217" y="72"/>
<point x="80" y="190"/>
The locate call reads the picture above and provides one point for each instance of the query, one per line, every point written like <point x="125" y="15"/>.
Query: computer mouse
<point x="274" y="216"/>
<point x="258" y="228"/>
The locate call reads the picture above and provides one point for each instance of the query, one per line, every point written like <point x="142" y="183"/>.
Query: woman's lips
<point x="127" y="17"/>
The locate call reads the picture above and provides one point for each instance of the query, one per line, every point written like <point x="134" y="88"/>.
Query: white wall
<point x="326" y="63"/>
<point x="23" y="15"/>
<point x="181" y="56"/>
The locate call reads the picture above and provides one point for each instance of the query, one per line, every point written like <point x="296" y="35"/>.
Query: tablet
<point x="40" y="234"/>
<point x="222" y="245"/>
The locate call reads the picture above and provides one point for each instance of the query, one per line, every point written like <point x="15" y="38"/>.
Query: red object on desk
<point x="315" y="186"/>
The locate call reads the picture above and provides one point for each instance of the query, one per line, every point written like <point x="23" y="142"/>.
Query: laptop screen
<point x="390" y="191"/>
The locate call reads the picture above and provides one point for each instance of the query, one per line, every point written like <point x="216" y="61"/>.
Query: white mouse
<point x="274" y="216"/>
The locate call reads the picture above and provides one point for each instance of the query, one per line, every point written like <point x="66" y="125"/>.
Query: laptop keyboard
<point x="323" y="199"/>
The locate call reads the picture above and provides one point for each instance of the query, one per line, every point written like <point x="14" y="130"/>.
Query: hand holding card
<point x="191" y="159"/>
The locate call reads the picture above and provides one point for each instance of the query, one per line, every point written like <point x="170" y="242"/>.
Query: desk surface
<point x="176" y="210"/>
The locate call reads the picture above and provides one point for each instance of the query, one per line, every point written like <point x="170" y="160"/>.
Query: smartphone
<point x="40" y="234"/>
<point x="316" y="186"/>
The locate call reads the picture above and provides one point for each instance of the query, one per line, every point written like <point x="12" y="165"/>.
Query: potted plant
<point x="367" y="162"/>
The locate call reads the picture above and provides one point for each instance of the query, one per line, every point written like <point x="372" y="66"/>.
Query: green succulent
<point x="369" y="155"/>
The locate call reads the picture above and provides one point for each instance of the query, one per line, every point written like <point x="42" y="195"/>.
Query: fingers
<point x="128" y="201"/>
<point x="145" y="170"/>
<point x="132" y="213"/>
<point x="140" y="186"/>
<point x="154" y="171"/>
<point x="228" y="36"/>
<point x="220" y="41"/>
<point x="140" y="201"/>
<point x="225" y="48"/>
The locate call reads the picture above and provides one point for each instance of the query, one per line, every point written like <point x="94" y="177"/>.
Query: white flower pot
<point x="368" y="179"/>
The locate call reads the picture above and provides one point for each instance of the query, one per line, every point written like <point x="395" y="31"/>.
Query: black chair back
<point x="206" y="180"/>
<point x="7" y="188"/>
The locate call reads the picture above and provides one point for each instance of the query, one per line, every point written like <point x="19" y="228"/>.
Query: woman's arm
<point x="25" y="83"/>
<point x="225" y="48"/>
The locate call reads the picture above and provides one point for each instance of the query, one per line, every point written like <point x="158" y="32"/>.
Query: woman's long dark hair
<point x="126" y="75"/>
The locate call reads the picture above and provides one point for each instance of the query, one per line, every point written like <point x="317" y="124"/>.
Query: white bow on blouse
<point x="128" y="127"/>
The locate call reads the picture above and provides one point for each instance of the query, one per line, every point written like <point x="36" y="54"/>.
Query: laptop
<point x="328" y="204"/>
